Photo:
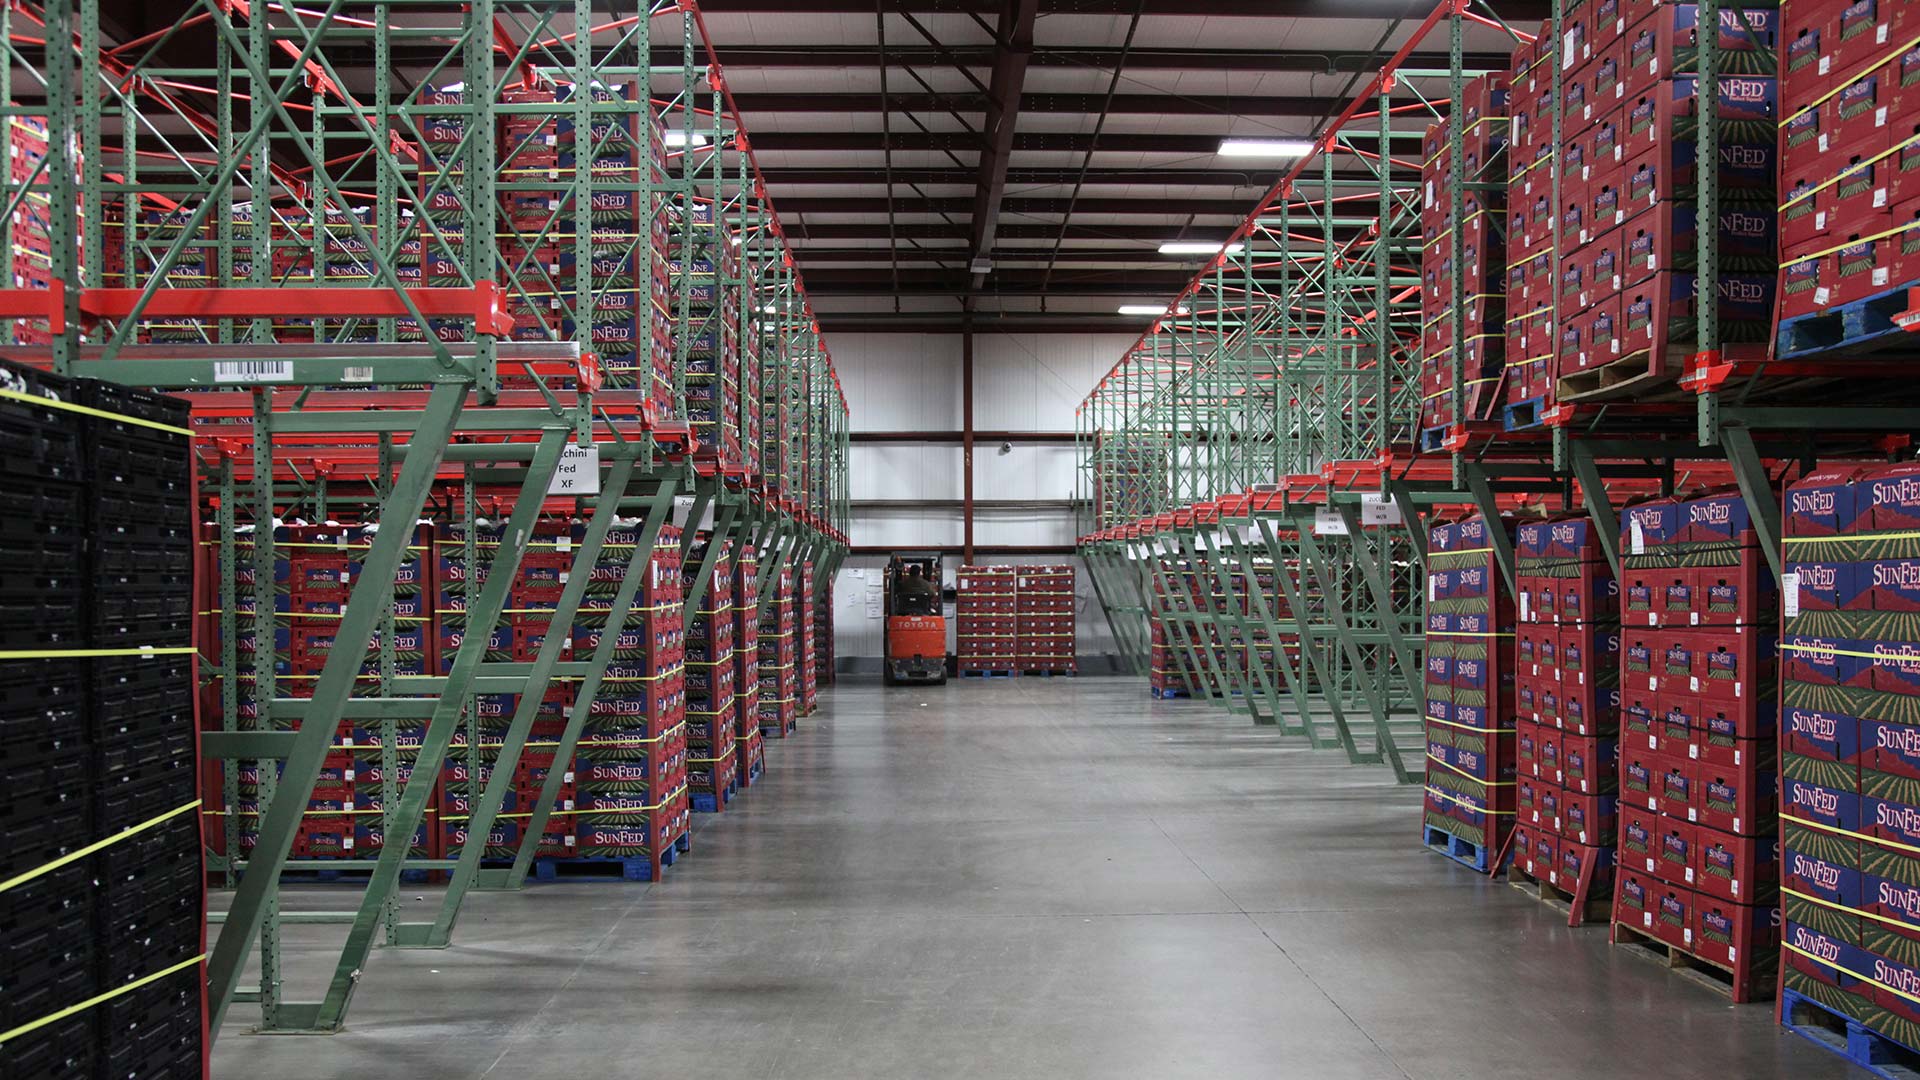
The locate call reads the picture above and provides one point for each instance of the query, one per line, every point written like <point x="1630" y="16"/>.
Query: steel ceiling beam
<point x="793" y="176"/>
<point x="1304" y="61"/>
<point x="1146" y="205"/>
<point x="1295" y="9"/>
<point x="1086" y="104"/>
<point x="939" y="230"/>
<point x="966" y="142"/>
<point x="1013" y="44"/>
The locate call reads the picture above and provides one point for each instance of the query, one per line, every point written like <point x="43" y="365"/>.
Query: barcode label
<point x="357" y="374"/>
<point x="232" y="371"/>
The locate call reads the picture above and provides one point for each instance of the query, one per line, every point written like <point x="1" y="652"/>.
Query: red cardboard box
<point x="1740" y="869"/>
<point x="1640" y="835"/>
<point x="1736" y="935"/>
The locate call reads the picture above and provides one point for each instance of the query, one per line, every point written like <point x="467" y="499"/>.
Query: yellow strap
<point x="83" y="410"/>
<point x="97" y="845"/>
<point x="1445" y="796"/>
<point x="77" y="654"/>
<point x="1792" y="948"/>
<point x="1822" y="99"/>
<point x="125" y="988"/>
<point x="1469" y="633"/>
<point x="1837" y="831"/>
<point x="1853" y="538"/>
<point x="1464" y="727"/>
<point x="1887" y="919"/>
<point x="1851" y="170"/>
<point x="1470" y="776"/>
<point x="1895" y="231"/>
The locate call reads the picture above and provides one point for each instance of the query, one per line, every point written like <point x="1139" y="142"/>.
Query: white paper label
<point x="1566" y="53"/>
<point x="1820" y="219"/>
<point x="1880" y="34"/>
<point x="1880" y="196"/>
<point x="357" y="374"/>
<point x="1636" y="537"/>
<point x="1879" y="275"/>
<point x="252" y="371"/>
<point x="1377" y="509"/>
<point x="578" y="472"/>
<point x="1826" y="64"/>
<point x="1433" y="588"/>
<point x="1689" y="875"/>
<point x="1821" y="296"/>
<point x="1328" y="522"/>
<point x="1693" y="683"/>
<point x="1691" y="814"/>
<point x="1880" y="116"/>
<point x="1524" y="617"/>
<point x="1790" y="594"/>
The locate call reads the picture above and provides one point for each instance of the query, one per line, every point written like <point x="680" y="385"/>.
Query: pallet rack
<point x="396" y="302"/>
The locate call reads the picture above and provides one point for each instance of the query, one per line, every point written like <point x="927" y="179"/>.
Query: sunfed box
<point x="1745" y="594"/>
<point x="1640" y="836"/>
<point x="1590" y="710"/>
<point x="1742" y="800"/>
<point x="1674" y="599"/>
<point x="1890" y="807"/>
<point x="1589" y="765"/>
<point x="1546" y="749"/>
<point x="1890" y="584"/>
<point x="1588" y="654"/>
<point x="1720" y="517"/>
<point x="1576" y="861"/>
<point x="1523" y="833"/>
<point x="1737" y="732"/>
<point x="1660" y="231"/>
<point x="1894" y="978"/>
<point x="1658" y="314"/>
<point x="1737" y="868"/>
<point x="1825" y="661"/>
<point x="1890" y="497"/>
<point x="1832" y="736"/>
<point x="1653" y="523"/>
<point x="1889" y="887"/>
<point x="1819" y="792"/>
<point x="1527" y="809"/>
<point x="1824" y="586"/>
<point x="1665" y="910"/>
<point x="1734" y="664"/>
<point x="1589" y="819"/>
<point x="1825" y="503"/>
<point x="1665" y="42"/>
<point x="1895" y="667"/>
<point x="1729" y="933"/>
<point x="1821" y="865"/>
<point x="1888" y="747"/>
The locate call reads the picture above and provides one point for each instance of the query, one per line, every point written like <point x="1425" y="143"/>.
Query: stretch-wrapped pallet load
<point x="1470" y="769"/>
<point x="986" y="616"/>
<point x="712" y="338"/>
<point x="779" y="658"/>
<point x="1849" y="174"/>
<point x="711" y="676"/>
<point x="1480" y="248"/>
<point x="1567" y="708"/>
<point x="749" y="745"/>
<point x="100" y="833"/>
<point x="1621" y="290"/>
<point x="1045" y="620"/>
<point x="630" y="778"/>
<point x="809" y="652"/>
<point x="1850" y="753"/>
<point x="1699" y="748"/>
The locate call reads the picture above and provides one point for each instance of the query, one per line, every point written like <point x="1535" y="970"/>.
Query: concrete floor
<point x="1028" y="878"/>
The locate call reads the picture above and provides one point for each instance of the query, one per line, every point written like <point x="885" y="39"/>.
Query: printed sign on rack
<point x="1328" y="522"/>
<point x="578" y="472"/>
<point x="1377" y="509"/>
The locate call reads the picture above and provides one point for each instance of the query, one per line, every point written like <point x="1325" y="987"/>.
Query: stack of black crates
<point x="96" y="710"/>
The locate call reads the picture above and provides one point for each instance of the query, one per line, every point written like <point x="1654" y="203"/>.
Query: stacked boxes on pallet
<point x="1045" y="635"/>
<point x="1699" y="650"/>
<point x="749" y="745"/>
<point x="1567" y="705"/>
<point x="1173" y="651"/>
<point x="712" y="341"/>
<point x="1625" y="225"/>
<point x="99" y="548"/>
<point x="1470" y="784"/>
<point x="1850" y="762"/>
<point x="712" y="674"/>
<point x="631" y="775"/>
<point x="1849" y="170"/>
<point x="1481" y="249"/>
<point x="779" y="658"/>
<point x="986" y="620"/>
<point x="823" y="639"/>
<point x="809" y="652"/>
<point x="31" y="224"/>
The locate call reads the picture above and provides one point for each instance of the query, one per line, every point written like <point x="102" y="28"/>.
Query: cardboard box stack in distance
<point x="1619" y="319"/>
<point x="1850" y="755"/>
<point x="1699" y="749"/>
<point x="712" y="675"/>
<point x="1471" y="758"/>
<point x="986" y="615"/>
<point x="1567" y="706"/>
<point x="749" y="745"/>
<point x="712" y="336"/>
<point x="1045" y="619"/>
<point x="101" y="749"/>
<point x="780" y="658"/>
<point x="1481" y="250"/>
<point x="807" y="621"/>
<point x="1849" y="157"/>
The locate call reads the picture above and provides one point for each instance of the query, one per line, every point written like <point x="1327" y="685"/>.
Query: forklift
<point x="916" y="631"/>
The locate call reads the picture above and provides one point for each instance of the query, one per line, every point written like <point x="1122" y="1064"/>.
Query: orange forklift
<point x="916" y="632"/>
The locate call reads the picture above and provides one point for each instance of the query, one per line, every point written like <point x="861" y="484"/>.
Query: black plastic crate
<point x="129" y="616"/>
<point x="127" y="674"/>
<point x="123" y="400"/>
<point x="120" y="860"/>
<point x="58" y="952"/>
<point x="153" y="515"/>
<point x="42" y="562"/>
<point x="135" y="761"/>
<point x="42" y="620"/>
<point x="41" y="837"/>
<point x="39" y="441"/>
<point x="132" y="951"/>
<point x="170" y="887"/>
<point x="41" y="511"/>
<point x="61" y="1051"/>
<point x="122" y="806"/>
<point x="134" y="712"/>
<point x="129" y="457"/>
<point x="44" y="778"/>
<point x="118" y="559"/>
<point x="42" y="703"/>
<point x="152" y="1033"/>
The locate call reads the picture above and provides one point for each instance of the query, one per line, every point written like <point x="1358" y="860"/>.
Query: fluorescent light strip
<point x="1154" y="310"/>
<point x="1265" y="148"/>
<point x="1198" y="247"/>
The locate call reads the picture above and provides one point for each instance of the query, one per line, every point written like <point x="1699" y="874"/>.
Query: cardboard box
<point x="1740" y="869"/>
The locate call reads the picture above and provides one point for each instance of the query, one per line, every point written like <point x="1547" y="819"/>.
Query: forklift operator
<point x="918" y="596"/>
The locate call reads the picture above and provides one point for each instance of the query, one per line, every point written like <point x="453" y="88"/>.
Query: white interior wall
<point x="912" y="382"/>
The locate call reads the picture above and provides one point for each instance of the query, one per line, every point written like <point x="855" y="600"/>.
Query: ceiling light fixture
<point x="1154" y="310"/>
<point x="1265" y="148"/>
<point x="676" y="137"/>
<point x="1198" y="247"/>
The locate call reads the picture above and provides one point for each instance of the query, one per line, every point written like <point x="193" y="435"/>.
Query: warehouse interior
<point x="950" y="538"/>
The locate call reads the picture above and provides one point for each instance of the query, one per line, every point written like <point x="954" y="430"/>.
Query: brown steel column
<point x="966" y="444"/>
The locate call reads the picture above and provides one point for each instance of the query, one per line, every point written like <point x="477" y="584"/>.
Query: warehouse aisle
<point x="1030" y="878"/>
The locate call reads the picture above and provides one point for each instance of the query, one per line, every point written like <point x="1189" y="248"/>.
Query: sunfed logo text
<point x="1903" y="491"/>
<point x="1903" y="655"/>
<point x="1816" y="576"/>
<point x="1821" y="873"/>
<point x="1818" y="944"/>
<point x="1904" y="979"/>
<point x="1904" y="818"/>
<point x="1565" y="534"/>
<point x="1821" y="726"/>
<point x="1716" y="513"/>
<point x="1900" y="575"/>
<point x="1811" y="502"/>
<point x="1903" y="898"/>
<point x="1903" y="740"/>
<point x="1818" y="800"/>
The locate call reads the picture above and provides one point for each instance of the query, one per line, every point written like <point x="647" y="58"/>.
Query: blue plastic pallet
<point x="1851" y="329"/>
<point x="1847" y="1037"/>
<point x="704" y="802"/>
<point x="1168" y="694"/>
<point x="986" y="674"/>
<point x="1431" y="439"/>
<point x="1521" y="415"/>
<point x="314" y="876"/>
<point x="1048" y="673"/>
<point x="1473" y="856"/>
<point x="602" y="868"/>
